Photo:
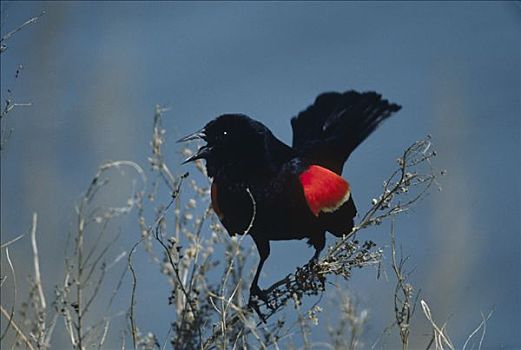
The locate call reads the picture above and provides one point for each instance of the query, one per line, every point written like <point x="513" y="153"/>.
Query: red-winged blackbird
<point x="272" y="191"/>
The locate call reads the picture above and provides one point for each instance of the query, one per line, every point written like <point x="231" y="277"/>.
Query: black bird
<point x="272" y="191"/>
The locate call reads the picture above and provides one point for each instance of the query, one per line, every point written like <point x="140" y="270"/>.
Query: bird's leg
<point x="263" y="246"/>
<point x="319" y="242"/>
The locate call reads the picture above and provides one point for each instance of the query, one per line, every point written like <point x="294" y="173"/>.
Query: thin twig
<point x="15" y="293"/>
<point x="25" y="24"/>
<point x="440" y="338"/>
<point x="104" y="335"/>
<point x="17" y="329"/>
<point x="119" y="284"/>
<point x="403" y="308"/>
<point x="50" y="330"/>
<point x="254" y="212"/>
<point x="413" y="156"/>
<point x="36" y="260"/>
<point x="16" y="30"/>
<point x="8" y="243"/>
<point x="483" y="325"/>
<point x="133" y="327"/>
<point x="67" y="318"/>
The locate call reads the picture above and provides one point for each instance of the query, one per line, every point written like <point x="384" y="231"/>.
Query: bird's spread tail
<point x="330" y="129"/>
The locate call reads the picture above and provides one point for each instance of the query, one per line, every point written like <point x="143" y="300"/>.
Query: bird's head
<point x="231" y="140"/>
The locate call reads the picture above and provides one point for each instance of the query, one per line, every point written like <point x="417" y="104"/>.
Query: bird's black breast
<point x="271" y="205"/>
<point x="234" y="205"/>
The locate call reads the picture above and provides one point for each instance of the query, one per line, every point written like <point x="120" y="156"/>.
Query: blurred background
<point x="94" y="71"/>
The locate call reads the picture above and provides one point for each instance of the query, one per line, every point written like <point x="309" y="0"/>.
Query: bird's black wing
<point x="336" y="123"/>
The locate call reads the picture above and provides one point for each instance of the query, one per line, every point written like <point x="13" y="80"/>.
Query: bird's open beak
<point x="200" y="134"/>
<point x="203" y="152"/>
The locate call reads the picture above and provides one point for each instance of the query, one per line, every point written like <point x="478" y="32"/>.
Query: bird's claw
<point x="313" y="261"/>
<point x="258" y="294"/>
<point x="255" y="291"/>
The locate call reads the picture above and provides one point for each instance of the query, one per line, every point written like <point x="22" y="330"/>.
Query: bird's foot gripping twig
<point x="257" y="294"/>
<point x="255" y="291"/>
<point x="310" y="279"/>
<point x="313" y="262"/>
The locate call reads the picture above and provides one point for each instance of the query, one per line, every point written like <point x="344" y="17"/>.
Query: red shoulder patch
<point x="325" y="191"/>
<point x="215" y="204"/>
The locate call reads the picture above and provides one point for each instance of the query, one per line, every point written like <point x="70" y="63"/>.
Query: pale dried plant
<point x="440" y="338"/>
<point x="347" y="331"/>
<point x="405" y="298"/>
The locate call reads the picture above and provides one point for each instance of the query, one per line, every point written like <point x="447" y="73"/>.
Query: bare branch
<point x="36" y="260"/>
<point x="104" y="335"/>
<point x="133" y="328"/>
<point x="15" y="293"/>
<point x="8" y="243"/>
<point x="8" y="36"/>
<point x="441" y="339"/>
<point x="254" y="212"/>
<point x="483" y="325"/>
<point x="17" y="329"/>
<point x="404" y="305"/>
